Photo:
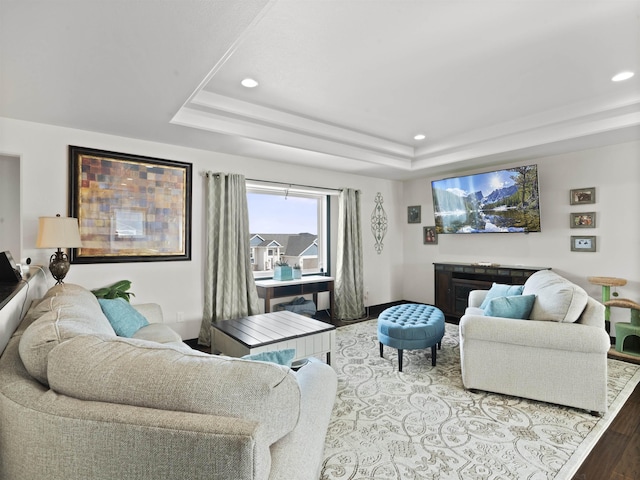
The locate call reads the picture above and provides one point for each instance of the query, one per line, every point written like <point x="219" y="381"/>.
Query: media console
<point x="454" y="281"/>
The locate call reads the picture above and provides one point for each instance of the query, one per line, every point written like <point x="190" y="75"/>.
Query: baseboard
<point x="371" y="312"/>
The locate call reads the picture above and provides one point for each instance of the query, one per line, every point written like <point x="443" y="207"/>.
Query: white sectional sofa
<point x="78" y="402"/>
<point x="557" y="355"/>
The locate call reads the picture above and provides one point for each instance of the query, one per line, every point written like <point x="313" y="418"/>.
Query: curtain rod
<point x="206" y="174"/>
<point x="293" y="184"/>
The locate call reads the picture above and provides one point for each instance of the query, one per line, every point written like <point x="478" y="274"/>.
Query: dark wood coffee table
<point x="273" y="331"/>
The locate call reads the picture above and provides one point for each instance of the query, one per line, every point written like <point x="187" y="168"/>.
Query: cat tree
<point x="627" y="333"/>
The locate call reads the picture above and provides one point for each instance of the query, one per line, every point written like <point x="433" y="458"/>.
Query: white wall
<point x="403" y="270"/>
<point x="177" y="286"/>
<point x="613" y="170"/>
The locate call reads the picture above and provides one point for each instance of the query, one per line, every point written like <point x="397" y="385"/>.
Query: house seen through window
<point x="286" y="225"/>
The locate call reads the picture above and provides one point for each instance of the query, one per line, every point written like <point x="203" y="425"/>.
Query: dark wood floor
<point x="617" y="455"/>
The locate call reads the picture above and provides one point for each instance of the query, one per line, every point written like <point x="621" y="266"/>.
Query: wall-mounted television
<point x="502" y="201"/>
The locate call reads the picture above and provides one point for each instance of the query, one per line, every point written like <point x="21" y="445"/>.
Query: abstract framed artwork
<point x="129" y="208"/>
<point x="583" y="243"/>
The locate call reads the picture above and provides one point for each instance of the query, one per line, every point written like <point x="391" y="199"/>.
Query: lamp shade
<point x="58" y="232"/>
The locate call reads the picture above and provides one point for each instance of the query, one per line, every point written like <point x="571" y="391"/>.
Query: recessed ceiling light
<point x="249" y="83"/>
<point x="420" y="136"/>
<point x="622" y="76"/>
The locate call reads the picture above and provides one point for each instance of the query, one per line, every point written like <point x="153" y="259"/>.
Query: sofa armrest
<point x="151" y="311"/>
<point x="299" y="454"/>
<point x="593" y="314"/>
<point x="156" y="331"/>
<point x="476" y="297"/>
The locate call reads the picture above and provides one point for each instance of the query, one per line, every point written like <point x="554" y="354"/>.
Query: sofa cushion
<point x="124" y="319"/>
<point x="557" y="299"/>
<point x="147" y="374"/>
<point x="501" y="290"/>
<point x="516" y="306"/>
<point x="65" y="311"/>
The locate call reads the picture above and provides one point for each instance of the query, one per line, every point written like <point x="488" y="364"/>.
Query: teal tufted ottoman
<point x="411" y="326"/>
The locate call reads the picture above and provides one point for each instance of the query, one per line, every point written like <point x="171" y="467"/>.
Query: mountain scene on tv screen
<point x="494" y="202"/>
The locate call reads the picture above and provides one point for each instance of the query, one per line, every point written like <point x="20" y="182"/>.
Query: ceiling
<point x="343" y="85"/>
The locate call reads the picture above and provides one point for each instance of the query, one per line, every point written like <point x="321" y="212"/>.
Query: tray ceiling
<point x="341" y="85"/>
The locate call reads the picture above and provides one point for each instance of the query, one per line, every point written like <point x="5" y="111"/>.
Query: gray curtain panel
<point x="349" y="289"/>
<point x="229" y="288"/>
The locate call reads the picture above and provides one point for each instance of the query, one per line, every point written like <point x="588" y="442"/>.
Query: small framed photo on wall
<point x="582" y="196"/>
<point x="583" y="243"/>
<point x="429" y="235"/>
<point x="414" y="214"/>
<point x="583" y="220"/>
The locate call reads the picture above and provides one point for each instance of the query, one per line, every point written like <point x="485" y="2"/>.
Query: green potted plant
<point x="282" y="270"/>
<point x="117" y="290"/>
<point x="297" y="271"/>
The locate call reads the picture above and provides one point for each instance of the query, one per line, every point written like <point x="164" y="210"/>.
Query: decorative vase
<point x="297" y="273"/>
<point x="283" y="272"/>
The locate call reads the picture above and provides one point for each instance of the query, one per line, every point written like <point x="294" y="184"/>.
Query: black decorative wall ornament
<point x="378" y="223"/>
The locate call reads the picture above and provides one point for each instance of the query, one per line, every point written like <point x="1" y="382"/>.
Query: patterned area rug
<point x="423" y="424"/>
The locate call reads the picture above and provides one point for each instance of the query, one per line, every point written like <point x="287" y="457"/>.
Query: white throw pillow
<point x="557" y="299"/>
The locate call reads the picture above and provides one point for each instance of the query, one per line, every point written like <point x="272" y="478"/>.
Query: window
<point x="289" y="225"/>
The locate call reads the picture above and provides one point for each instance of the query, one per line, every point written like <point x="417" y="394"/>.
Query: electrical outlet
<point x="179" y="317"/>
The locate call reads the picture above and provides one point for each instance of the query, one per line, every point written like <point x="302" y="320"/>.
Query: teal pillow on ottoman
<point x="501" y="290"/>
<point x="124" y="319"/>
<point x="516" y="306"/>
<point x="281" y="357"/>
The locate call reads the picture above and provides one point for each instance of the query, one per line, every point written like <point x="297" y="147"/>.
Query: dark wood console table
<point x="454" y="281"/>
<point x="269" y="289"/>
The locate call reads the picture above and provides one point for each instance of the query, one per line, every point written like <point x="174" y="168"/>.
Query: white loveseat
<point x="557" y="355"/>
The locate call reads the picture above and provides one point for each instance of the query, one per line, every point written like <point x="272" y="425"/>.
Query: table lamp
<point x="58" y="232"/>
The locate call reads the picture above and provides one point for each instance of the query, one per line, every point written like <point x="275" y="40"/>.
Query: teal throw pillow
<point x="281" y="357"/>
<point x="124" y="319"/>
<point x="501" y="290"/>
<point x="516" y="306"/>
